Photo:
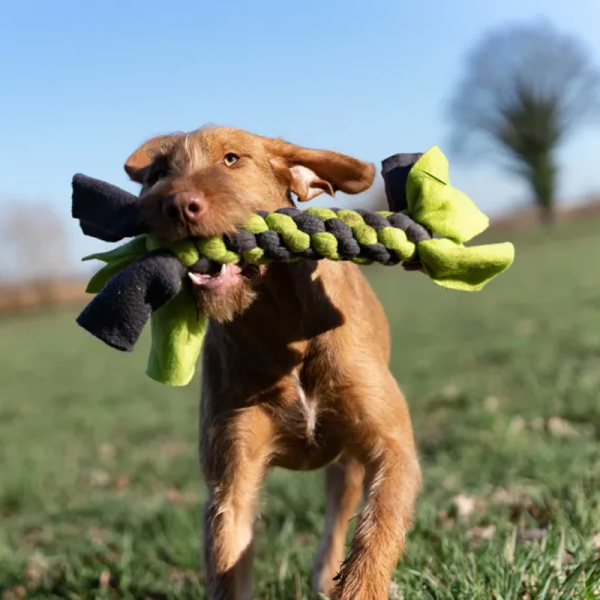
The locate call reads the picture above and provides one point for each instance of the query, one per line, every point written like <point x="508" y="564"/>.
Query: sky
<point x="82" y="83"/>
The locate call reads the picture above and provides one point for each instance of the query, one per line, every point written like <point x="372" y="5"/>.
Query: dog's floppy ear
<point x="137" y="163"/>
<point x="309" y="173"/>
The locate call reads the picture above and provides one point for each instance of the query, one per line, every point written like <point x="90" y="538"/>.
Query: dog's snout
<point x="186" y="206"/>
<point x="192" y="206"/>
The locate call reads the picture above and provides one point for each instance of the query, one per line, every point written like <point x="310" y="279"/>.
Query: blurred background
<point x="99" y="484"/>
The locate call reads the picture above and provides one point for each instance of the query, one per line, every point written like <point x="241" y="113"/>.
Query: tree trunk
<point x="542" y="178"/>
<point x="547" y="214"/>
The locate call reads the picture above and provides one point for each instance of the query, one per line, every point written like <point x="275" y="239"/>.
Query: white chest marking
<point x="309" y="408"/>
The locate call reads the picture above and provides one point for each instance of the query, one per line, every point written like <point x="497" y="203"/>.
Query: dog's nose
<point x="184" y="205"/>
<point x="191" y="206"/>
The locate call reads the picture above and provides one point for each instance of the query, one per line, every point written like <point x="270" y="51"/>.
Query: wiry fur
<point x="295" y="367"/>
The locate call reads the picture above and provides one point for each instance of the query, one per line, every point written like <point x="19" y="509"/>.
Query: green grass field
<point x="100" y="485"/>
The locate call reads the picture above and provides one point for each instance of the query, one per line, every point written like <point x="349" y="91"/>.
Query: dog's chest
<point x="307" y="438"/>
<point x="307" y="408"/>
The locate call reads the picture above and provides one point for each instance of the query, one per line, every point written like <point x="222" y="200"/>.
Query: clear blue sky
<point x="83" y="82"/>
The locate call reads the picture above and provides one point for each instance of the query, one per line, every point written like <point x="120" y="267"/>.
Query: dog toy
<point x="147" y="279"/>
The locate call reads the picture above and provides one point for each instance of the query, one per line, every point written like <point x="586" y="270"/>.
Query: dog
<point x="294" y="365"/>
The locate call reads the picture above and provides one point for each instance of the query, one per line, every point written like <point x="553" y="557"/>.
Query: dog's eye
<point x="155" y="176"/>
<point x="230" y="159"/>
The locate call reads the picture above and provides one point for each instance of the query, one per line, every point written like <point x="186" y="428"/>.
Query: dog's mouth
<point x="221" y="277"/>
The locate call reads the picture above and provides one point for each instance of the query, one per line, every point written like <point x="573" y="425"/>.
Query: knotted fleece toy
<point x="147" y="279"/>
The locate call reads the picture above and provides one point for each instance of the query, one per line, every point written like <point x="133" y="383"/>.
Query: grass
<point x="100" y="486"/>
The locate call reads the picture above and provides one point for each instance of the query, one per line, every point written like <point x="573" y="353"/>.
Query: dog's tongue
<point x="227" y="274"/>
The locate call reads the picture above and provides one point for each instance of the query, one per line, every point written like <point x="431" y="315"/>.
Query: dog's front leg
<point x="235" y="455"/>
<point x="378" y="541"/>
<point x="343" y="488"/>
<point x="392" y="481"/>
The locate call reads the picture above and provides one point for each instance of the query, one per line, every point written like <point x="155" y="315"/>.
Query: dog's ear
<point x="309" y="173"/>
<point x="137" y="163"/>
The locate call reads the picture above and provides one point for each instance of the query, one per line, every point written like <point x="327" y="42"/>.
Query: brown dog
<point x="295" y="362"/>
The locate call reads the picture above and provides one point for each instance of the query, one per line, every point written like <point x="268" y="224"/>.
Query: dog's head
<point x="206" y="183"/>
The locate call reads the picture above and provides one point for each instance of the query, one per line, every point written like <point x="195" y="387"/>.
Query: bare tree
<point x="525" y="90"/>
<point x="34" y="245"/>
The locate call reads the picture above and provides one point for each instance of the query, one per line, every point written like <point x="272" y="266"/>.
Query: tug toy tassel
<point x="428" y="223"/>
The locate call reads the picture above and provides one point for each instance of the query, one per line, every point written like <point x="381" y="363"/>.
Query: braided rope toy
<point x="146" y="278"/>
